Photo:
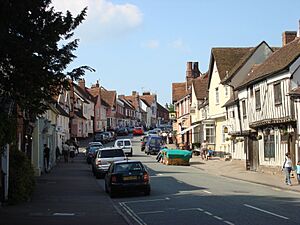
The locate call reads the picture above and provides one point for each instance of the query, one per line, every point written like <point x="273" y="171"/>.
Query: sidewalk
<point x="69" y="194"/>
<point x="235" y="169"/>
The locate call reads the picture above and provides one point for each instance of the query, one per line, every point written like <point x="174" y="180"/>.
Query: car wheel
<point x="130" y="154"/>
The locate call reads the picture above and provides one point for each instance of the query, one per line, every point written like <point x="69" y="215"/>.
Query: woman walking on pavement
<point x="287" y="167"/>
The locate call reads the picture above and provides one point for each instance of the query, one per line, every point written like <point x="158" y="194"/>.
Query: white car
<point x="125" y="144"/>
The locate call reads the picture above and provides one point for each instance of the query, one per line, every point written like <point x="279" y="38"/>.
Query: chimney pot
<point x="133" y="93"/>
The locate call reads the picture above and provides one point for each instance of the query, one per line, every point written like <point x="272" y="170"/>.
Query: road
<point x="180" y="195"/>
<point x="187" y="195"/>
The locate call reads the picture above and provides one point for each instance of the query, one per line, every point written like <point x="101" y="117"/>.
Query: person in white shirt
<point x="287" y="167"/>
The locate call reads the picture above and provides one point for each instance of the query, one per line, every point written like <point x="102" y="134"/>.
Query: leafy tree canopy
<point x="37" y="44"/>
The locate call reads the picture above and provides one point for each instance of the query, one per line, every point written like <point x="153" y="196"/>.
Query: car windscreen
<point x="111" y="153"/>
<point x="155" y="141"/>
<point x="127" y="143"/>
<point x="125" y="167"/>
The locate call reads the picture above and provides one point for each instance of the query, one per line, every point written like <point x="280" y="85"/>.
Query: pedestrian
<point x="203" y="149"/>
<point x="57" y="153"/>
<point x="287" y="167"/>
<point x="65" y="151"/>
<point x="46" y="157"/>
<point x="298" y="171"/>
<point x="72" y="153"/>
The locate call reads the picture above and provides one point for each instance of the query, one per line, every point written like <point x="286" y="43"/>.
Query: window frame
<point x="277" y="92"/>
<point x="269" y="147"/>
<point x="257" y="100"/>
<point x="244" y="109"/>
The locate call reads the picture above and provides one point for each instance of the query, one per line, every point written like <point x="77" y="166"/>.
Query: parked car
<point x="104" y="158"/>
<point x="129" y="175"/>
<point x="91" y="152"/>
<point x="99" y="137"/>
<point x="138" y="131"/>
<point x="130" y="129"/>
<point x="122" y="131"/>
<point x="126" y="145"/>
<point x="153" y="145"/>
<point x="152" y="132"/>
<point x="143" y="142"/>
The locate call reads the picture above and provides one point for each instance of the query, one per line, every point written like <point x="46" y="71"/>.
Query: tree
<point x="170" y="107"/>
<point x="37" y="45"/>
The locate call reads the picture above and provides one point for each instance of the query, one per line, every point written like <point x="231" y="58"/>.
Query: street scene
<point x="141" y="112"/>
<point x="179" y="195"/>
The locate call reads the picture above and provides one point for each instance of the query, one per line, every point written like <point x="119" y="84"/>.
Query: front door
<point x="253" y="154"/>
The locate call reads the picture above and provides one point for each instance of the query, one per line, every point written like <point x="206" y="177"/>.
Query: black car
<point x="127" y="176"/>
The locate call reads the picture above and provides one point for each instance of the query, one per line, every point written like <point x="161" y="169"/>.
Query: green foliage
<point x="170" y="107"/>
<point x="36" y="47"/>
<point x="7" y="129"/>
<point x="21" y="177"/>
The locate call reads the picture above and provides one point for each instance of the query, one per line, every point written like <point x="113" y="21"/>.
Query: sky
<point x="144" y="45"/>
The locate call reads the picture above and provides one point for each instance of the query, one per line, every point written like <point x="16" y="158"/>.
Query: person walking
<point x="72" y="153"/>
<point x="46" y="157"/>
<point x="287" y="167"/>
<point x="298" y="171"/>
<point x="66" y="150"/>
<point x="203" y="149"/>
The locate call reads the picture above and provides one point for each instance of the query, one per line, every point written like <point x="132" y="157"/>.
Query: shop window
<point x="210" y="133"/>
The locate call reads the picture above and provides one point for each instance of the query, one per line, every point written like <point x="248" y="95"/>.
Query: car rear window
<point x="155" y="141"/>
<point x="125" y="167"/>
<point x="127" y="143"/>
<point x="111" y="153"/>
<point x="94" y="148"/>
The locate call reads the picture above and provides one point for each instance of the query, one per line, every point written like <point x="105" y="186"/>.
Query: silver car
<point x="104" y="158"/>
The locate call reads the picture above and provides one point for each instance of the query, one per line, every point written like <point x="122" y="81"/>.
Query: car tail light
<point x="98" y="162"/>
<point x="146" y="177"/>
<point x="113" y="179"/>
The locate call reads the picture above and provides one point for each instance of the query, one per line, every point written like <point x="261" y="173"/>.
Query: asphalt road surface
<point x="187" y="195"/>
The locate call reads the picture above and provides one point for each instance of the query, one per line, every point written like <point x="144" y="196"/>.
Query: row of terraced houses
<point x="247" y="105"/>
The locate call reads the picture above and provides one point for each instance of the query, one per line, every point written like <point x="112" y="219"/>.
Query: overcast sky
<point x="143" y="45"/>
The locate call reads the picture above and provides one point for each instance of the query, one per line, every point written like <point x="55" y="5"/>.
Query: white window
<point x="217" y="96"/>
<point x="210" y="133"/>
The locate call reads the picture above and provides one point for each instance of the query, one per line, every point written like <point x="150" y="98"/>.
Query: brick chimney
<point x="134" y="93"/>
<point x="81" y="84"/>
<point x="146" y="93"/>
<point x="189" y="71"/>
<point x="288" y="36"/>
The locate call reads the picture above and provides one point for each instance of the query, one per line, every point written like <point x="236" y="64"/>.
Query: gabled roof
<point x="147" y="104"/>
<point x="109" y="97"/>
<point x="226" y="59"/>
<point x="200" y="86"/>
<point x="61" y="110"/>
<point x="178" y="91"/>
<point x="150" y="99"/>
<point x="243" y="60"/>
<point x="133" y="100"/>
<point x="84" y="93"/>
<point x="161" y="108"/>
<point x="127" y="103"/>
<point x="278" y="62"/>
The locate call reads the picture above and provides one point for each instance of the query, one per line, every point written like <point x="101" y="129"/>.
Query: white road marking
<point x="148" y="200"/>
<point x="130" y="212"/>
<point x="208" y="213"/>
<point x="228" y="222"/>
<point x="199" y="209"/>
<point x="63" y="214"/>
<point x="218" y="218"/>
<point x="265" y="211"/>
<point x="189" y="209"/>
<point x="151" y="212"/>
<point x="208" y="192"/>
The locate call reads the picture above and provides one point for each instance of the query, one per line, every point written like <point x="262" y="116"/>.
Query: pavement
<point x="69" y="194"/>
<point x="236" y="169"/>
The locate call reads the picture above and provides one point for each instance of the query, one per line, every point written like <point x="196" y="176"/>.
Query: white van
<point x="125" y="144"/>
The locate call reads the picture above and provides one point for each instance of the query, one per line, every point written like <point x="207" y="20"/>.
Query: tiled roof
<point x="150" y="99"/>
<point x="200" y="86"/>
<point x="279" y="61"/>
<point x="133" y="100"/>
<point x="127" y="103"/>
<point x="84" y="93"/>
<point x="243" y="60"/>
<point x="143" y="100"/>
<point x="108" y="96"/>
<point x="178" y="91"/>
<point x="226" y="59"/>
